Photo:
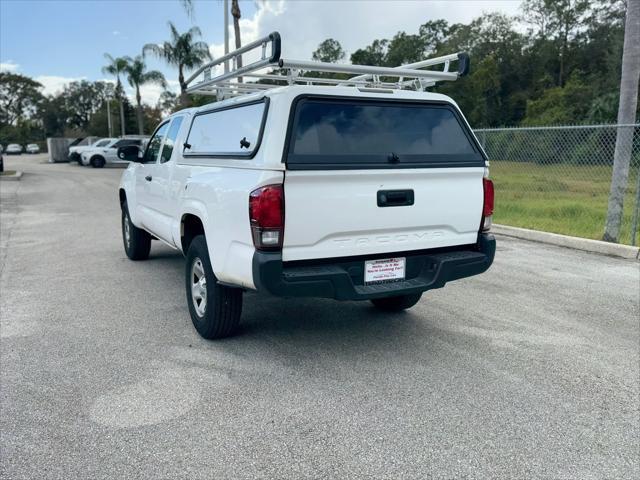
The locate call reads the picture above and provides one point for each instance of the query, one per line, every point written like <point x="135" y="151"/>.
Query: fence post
<point x="636" y="211"/>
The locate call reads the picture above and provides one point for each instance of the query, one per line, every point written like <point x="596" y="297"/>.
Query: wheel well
<point x="95" y="157"/>
<point x="190" y="227"/>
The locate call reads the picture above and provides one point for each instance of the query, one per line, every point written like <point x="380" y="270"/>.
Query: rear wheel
<point x="215" y="309"/>
<point x="97" y="162"/>
<point x="137" y="242"/>
<point x="397" y="304"/>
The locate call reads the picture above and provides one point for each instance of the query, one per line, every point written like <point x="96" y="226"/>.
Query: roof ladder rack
<point x="255" y="76"/>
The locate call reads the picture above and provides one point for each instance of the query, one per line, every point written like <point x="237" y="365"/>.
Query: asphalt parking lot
<point x="531" y="370"/>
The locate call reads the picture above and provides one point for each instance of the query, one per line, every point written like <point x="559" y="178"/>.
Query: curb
<point x="11" y="178"/>
<point x="584" y="244"/>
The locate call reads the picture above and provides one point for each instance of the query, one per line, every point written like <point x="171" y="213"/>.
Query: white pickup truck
<point x="320" y="191"/>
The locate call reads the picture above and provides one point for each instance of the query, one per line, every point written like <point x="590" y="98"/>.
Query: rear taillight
<point x="266" y="214"/>
<point x="487" y="208"/>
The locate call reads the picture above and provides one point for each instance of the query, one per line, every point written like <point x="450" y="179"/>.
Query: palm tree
<point x="116" y="67"/>
<point x="182" y="52"/>
<point x="137" y="76"/>
<point x="235" y="12"/>
<point x="188" y="7"/>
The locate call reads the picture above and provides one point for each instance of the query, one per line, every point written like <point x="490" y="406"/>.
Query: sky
<point x="58" y="41"/>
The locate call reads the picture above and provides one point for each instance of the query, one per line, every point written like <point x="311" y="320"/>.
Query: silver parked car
<point x="33" y="148"/>
<point x="13" y="149"/>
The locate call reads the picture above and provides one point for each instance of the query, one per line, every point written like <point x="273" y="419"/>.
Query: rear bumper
<point x="343" y="278"/>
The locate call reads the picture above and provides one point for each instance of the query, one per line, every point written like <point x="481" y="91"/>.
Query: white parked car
<point x="13" y="149"/>
<point x="98" y="157"/>
<point x="33" y="148"/>
<point x="75" y="152"/>
<point x="343" y="192"/>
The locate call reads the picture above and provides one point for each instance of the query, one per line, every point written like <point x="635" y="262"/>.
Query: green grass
<point x="8" y="172"/>
<point x="567" y="199"/>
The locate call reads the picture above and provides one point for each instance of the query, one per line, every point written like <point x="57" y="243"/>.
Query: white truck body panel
<point x="328" y="213"/>
<point x="333" y="213"/>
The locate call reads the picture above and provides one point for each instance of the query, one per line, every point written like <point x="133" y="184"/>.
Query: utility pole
<point x="626" y="116"/>
<point x="122" y="121"/>
<point x="235" y="11"/>
<point x="109" y="117"/>
<point x="226" y="34"/>
<point x="636" y="211"/>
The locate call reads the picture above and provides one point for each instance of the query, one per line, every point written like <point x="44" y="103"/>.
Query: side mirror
<point x="131" y="153"/>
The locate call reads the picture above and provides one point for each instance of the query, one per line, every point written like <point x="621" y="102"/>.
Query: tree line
<point x="557" y="62"/>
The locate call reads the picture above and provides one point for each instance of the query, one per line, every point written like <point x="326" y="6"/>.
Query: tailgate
<point x="337" y="213"/>
<point x="370" y="176"/>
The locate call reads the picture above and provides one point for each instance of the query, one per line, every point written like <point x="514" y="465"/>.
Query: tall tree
<point x="329" y="51"/>
<point x="558" y="19"/>
<point x="116" y="67"/>
<point x="374" y="54"/>
<point x="626" y="115"/>
<point x="19" y="97"/>
<point x="167" y="102"/>
<point x="138" y="76"/>
<point x="183" y="52"/>
<point x="188" y="7"/>
<point x="405" y="48"/>
<point x="53" y="115"/>
<point x="81" y="100"/>
<point x="433" y="33"/>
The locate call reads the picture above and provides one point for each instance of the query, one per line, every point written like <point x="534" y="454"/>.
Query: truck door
<point x="161" y="199"/>
<point x="147" y="169"/>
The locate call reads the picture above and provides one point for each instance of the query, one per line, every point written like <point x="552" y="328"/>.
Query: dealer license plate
<point x="384" y="270"/>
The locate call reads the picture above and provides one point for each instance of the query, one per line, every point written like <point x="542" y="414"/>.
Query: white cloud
<point x="9" y="66"/>
<point x="303" y="25"/>
<point x="354" y="23"/>
<point x="115" y="33"/>
<point x="53" y="84"/>
<point x="150" y="92"/>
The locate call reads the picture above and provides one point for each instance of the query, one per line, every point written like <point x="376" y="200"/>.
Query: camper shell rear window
<point x="347" y="133"/>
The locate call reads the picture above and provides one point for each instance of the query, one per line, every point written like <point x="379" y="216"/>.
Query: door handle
<point x="148" y="178"/>
<point x="395" y="198"/>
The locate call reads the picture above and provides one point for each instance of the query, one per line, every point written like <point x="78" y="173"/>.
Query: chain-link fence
<point x="557" y="179"/>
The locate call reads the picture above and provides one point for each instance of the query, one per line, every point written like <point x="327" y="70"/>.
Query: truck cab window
<point x="170" y="141"/>
<point x="153" y="149"/>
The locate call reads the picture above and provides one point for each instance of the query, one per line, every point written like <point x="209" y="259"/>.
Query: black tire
<point x="97" y="161"/>
<point x="397" y="304"/>
<point x="138" y="242"/>
<point x="220" y="315"/>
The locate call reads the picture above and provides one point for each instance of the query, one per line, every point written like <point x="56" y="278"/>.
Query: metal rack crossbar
<point x="257" y="77"/>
